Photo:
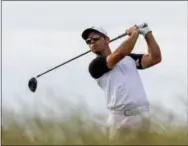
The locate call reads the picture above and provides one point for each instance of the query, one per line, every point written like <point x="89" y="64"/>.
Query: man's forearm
<point x="127" y="46"/>
<point x="153" y="47"/>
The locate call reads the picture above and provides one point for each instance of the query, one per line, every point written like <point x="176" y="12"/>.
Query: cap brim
<point x="87" y="31"/>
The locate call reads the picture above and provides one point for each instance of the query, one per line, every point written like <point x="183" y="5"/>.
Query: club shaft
<point x="120" y="36"/>
<point x="63" y="63"/>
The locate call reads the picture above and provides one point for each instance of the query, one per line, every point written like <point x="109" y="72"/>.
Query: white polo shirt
<point x="122" y="85"/>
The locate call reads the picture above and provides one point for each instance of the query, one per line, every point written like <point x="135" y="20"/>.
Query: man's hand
<point x="144" y="30"/>
<point x="131" y="30"/>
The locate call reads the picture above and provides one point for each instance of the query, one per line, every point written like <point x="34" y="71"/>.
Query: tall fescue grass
<point x="79" y="126"/>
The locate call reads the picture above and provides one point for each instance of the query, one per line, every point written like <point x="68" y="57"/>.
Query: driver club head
<point x="32" y="84"/>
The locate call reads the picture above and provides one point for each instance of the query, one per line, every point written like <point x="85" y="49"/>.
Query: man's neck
<point x="105" y="53"/>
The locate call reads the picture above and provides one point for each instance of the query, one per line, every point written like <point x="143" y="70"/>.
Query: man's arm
<point x="124" y="49"/>
<point x="153" y="56"/>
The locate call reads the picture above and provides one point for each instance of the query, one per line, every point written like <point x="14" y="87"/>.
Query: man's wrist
<point x="148" y="34"/>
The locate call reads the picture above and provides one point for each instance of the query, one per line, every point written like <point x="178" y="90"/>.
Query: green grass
<point x="78" y="127"/>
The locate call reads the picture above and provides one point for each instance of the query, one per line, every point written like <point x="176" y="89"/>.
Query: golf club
<point x="33" y="81"/>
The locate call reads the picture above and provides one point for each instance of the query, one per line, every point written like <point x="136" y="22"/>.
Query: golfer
<point x="117" y="75"/>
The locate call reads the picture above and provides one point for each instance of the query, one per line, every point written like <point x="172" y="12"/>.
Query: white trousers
<point x="126" y="124"/>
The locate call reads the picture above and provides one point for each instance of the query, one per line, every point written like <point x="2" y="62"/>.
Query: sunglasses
<point x="94" y="38"/>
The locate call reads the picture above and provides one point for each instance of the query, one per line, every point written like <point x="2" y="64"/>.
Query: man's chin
<point x="97" y="51"/>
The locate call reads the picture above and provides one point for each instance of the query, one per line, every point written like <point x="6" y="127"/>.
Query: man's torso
<point x="123" y="86"/>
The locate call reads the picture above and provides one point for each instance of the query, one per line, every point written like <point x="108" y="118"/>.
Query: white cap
<point x="93" y="29"/>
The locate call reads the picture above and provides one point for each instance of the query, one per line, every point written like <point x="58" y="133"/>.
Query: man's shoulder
<point x="96" y="62"/>
<point x="98" y="67"/>
<point x="96" y="58"/>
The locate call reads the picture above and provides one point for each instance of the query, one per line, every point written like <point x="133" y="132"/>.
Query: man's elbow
<point x="157" y="58"/>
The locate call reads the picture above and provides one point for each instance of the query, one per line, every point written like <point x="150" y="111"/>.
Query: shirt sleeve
<point x="98" y="67"/>
<point x="137" y="58"/>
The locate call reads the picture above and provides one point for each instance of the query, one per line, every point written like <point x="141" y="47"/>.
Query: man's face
<point x="97" y="43"/>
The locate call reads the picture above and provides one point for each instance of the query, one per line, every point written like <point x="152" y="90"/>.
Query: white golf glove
<point x="144" y="29"/>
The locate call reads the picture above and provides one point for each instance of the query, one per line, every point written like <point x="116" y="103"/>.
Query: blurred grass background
<point x="74" y="124"/>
